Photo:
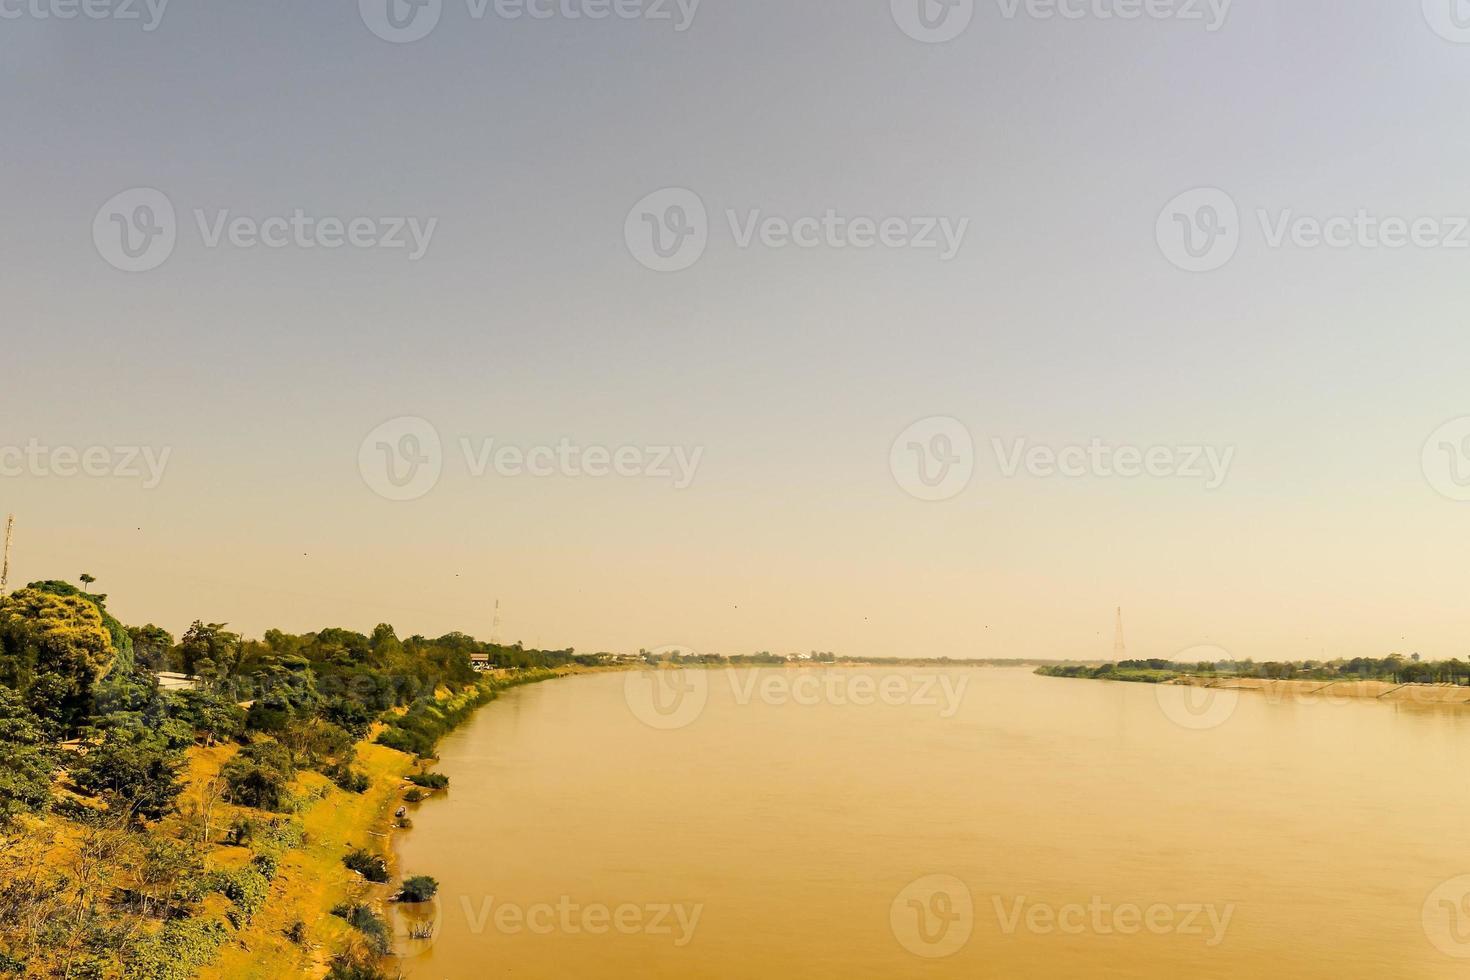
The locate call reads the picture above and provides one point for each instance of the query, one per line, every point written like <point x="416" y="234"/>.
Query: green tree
<point x="27" y="761"/>
<point x="135" y="771"/>
<point x="61" y="635"/>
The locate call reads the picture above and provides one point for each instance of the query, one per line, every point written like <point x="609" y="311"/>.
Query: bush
<point x="297" y="933"/>
<point x="348" y="780"/>
<point x="27" y="761"/>
<point x="175" y="952"/>
<point x="370" y="866"/>
<point x="134" y="769"/>
<point x="413" y="796"/>
<point x="355" y="965"/>
<point x="419" y="888"/>
<point x="241" y="832"/>
<point x="269" y="865"/>
<point x="260" y="776"/>
<point x="429" y="780"/>
<point x="370" y="924"/>
<point x="247" y="888"/>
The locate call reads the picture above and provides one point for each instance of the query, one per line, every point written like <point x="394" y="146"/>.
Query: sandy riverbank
<point x="1317" y="691"/>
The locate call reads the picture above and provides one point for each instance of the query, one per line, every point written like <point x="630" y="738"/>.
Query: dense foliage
<point x="124" y="886"/>
<point x="1395" y="669"/>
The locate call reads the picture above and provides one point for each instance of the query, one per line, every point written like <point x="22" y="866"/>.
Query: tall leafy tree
<point x="27" y="761"/>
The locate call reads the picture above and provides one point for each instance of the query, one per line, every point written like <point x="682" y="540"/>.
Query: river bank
<point x="1341" y="690"/>
<point x="313" y="879"/>
<point x="1296" y="690"/>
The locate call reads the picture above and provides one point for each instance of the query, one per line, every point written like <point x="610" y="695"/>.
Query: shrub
<point x="247" y="888"/>
<point x="350" y="781"/>
<point x="260" y="776"/>
<point x="369" y="923"/>
<point x="355" y="965"/>
<point x="268" y="864"/>
<point x="419" y="888"/>
<point x="429" y="780"/>
<point x="135" y="769"/>
<point x="414" y="795"/>
<point x="241" y="832"/>
<point x="175" y="952"/>
<point x="296" y="932"/>
<point x="370" y="866"/>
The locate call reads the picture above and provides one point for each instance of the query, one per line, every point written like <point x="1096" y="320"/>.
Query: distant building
<point x="481" y="661"/>
<point x="177" y="682"/>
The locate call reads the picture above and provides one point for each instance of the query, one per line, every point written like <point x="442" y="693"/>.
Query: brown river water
<point x="968" y="823"/>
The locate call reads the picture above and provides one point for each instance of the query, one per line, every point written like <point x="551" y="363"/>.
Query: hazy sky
<point x="788" y="373"/>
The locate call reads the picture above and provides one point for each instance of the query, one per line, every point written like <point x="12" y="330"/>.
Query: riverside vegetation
<point x="164" y="834"/>
<point x="1395" y="669"/>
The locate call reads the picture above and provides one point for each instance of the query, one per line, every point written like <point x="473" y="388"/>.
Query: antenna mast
<point x="495" y="626"/>
<point x="5" y="568"/>
<point x="1120" y="652"/>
